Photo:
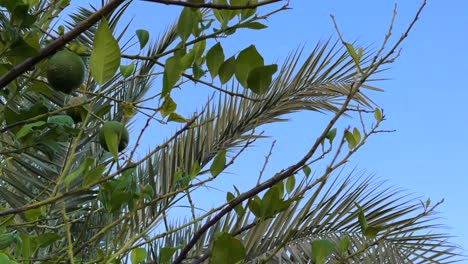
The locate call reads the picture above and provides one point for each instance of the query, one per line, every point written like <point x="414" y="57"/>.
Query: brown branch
<point x="212" y="5"/>
<point x="58" y="43"/>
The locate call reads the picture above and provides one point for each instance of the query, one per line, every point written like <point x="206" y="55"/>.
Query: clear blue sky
<point x="424" y="100"/>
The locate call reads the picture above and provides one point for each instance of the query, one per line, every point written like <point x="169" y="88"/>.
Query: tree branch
<point x="212" y="5"/>
<point x="58" y="43"/>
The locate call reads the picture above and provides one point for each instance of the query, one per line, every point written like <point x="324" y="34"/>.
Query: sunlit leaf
<point x="105" y="56"/>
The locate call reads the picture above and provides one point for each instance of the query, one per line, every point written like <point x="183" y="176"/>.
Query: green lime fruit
<point x="78" y="111"/>
<point x="65" y="71"/>
<point x="117" y="128"/>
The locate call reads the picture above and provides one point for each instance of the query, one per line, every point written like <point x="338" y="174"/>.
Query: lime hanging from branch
<point x="65" y="71"/>
<point x="113" y="135"/>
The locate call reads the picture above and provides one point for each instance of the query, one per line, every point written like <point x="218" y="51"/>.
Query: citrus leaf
<point x="372" y="231"/>
<point x="174" y="117"/>
<point x="168" y="107"/>
<point x="127" y="70"/>
<point x="321" y="249"/>
<point x="331" y="135"/>
<point x="112" y="143"/>
<point x="350" y="139"/>
<point x="26" y="129"/>
<point x="306" y="170"/>
<point x="45" y="239"/>
<point x="166" y="253"/>
<point x="247" y="60"/>
<point x="356" y="135"/>
<point x="255" y="206"/>
<point x="172" y="72"/>
<point x="93" y="175"/>
<point x="227" y="69"/>
<point x="227" y="249"/>
<point x="143" y="37"/>
<point x="344" y="244"/>
<point x="290" y="183"/>
<point x="214" y="59"/>
<point x="138" y="255"/>
<point x="378" y="115"/>
<point x="260" y="78"/>
<point x="253" y="25"/>
<point x="219" y="163"/>
<point x="185" y="23"/>
<point x="105" y="57"/>
<point x="83" y="167"/>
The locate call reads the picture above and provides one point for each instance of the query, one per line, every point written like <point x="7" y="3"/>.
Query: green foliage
<point x="219" y="163"/>
<point x="321" y="249"/>
<point x="227" y="249"/>
<point x="105" y="55"/>
<point x="63" y="197"/>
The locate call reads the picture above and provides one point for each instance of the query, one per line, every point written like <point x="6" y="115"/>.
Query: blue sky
<point x="424" y="100"/>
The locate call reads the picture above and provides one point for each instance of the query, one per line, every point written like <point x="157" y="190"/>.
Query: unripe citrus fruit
<point x="65" y="71"/>
<point x="117" y="128"/>
<point x="78" y="110"/>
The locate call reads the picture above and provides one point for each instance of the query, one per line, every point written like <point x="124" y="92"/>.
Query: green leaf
<point x="174" y="117"/>
<point x="372" y="231"/>
<point x="188" y="59"/>
<point x="229" y="196"/>
<point x="166" y="253"/>
<point x="138" y="255"/>
<point x="46" y="239"/>
<point x="246" y="13"/>
<point x="344" y="244"/>
<point x="63" y="120"/>
<point x="255" y="206"/>
<point x="227" y="249"/>
<point x="219" y="163"/>
<point x="4" y="259"/>
<point x="93" y="175"/>
<point x="83" y="167"/>
<point x="185" y="23"/>
<point x="378" y="114"/>
<point x="214" y="59"/>
<point x="143" y="37"/>
<point x="112" y="142"/>
<point x="168" y="107"/>
<point x="260" y="78"/>
<point x="361" y="218"/>
<point x="28" y="128"/>
<point x="356" y="135"/>
<point x="10" y="5"/>
<point x="247" y="60"/>
<point x="290" y="183"/>
<point x="352" y="52"/>
<point x="253" y="25"/>
<point x="350" y="139"/>
<point x="172" y="72"/>
<point x="127" y="70"/>
<point x="227" y="69"/>
<point x="197" y="71"/>
<point x="306" y="170"/>
<point x="34" y="214"/>
<point x="195" y="170"/>
<point x="331" y="135"/>
<point x="321" y="249"/>
<point x="105" y="57"/>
